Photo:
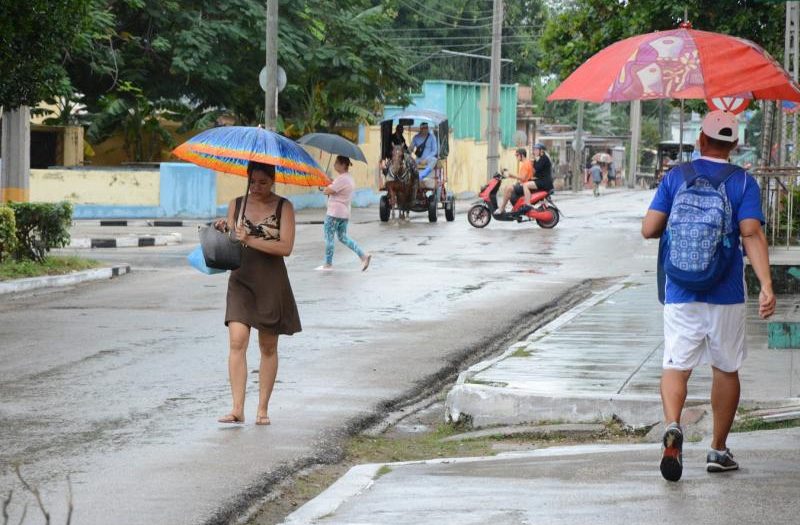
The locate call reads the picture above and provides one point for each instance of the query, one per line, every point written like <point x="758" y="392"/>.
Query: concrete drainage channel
<point x="416" y="417"/>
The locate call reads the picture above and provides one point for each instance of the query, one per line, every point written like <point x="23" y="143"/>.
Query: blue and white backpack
<point x="699" y="239"/>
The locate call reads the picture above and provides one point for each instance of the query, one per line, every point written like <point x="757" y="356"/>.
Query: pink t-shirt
<point x="339" y="202"/>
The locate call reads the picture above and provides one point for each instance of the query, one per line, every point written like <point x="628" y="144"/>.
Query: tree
<point x="139" y="119"/>
<point x="35" y="38"/>
<point x="424" y="28"/>
<point x="341" y="70"/>
<point x="207" y="54"/>
<point x="584" y="27"/>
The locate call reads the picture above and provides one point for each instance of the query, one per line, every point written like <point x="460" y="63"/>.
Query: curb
<point x="361" y="478"/>
<point x="53" y="281"/>
<point x="126" y="242"/>
<point x="125" y="222"/>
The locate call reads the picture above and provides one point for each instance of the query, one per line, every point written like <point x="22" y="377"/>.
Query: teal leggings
<point x="335" y="225"/>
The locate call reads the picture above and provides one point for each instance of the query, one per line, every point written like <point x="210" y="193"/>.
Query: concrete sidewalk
<point x="603" y="358"/>
<point x="590" y="484"/>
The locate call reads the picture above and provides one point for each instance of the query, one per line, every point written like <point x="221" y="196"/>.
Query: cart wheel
<point x="450" y="208"/>
<point x="384" y="209"/>
<point x="432" y="209"/>
<point x="479" y="215"/>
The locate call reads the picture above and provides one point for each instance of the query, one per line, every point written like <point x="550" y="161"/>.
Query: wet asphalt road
<point x="118" y="384"/>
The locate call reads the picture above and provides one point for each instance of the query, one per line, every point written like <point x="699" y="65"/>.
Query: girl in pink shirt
<point x="340" y="193"/>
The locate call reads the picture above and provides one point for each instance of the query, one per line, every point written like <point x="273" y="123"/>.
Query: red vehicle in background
<point x="540" y="209"/>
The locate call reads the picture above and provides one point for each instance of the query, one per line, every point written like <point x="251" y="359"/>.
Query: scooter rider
<point x="543" y="168"/>
<point x="517" y="190"/>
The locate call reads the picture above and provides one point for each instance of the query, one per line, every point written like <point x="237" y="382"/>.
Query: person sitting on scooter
<point x="543" y="173"/>
<point x="543" y="169"/>
<point x="519" y="189"/>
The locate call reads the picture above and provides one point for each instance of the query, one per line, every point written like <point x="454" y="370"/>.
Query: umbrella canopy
<point x="230" y="148"/>
<point x="333" y="144"/>
<point x="604" y="158"/>
<point x="681" y="63"/>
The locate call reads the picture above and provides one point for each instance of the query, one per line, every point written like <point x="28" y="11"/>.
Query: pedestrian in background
<point x="340" y="195"/>
<point x="704" y="312"/>
<point x="596" y="173"/>
<point x="259" y="293"/>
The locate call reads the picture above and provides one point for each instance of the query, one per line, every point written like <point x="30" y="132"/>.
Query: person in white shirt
<point x="340" y="194"/>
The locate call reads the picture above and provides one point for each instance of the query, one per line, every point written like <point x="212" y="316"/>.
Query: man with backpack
<point x="701" y="211"/>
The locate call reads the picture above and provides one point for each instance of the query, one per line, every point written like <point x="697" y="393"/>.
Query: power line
<point x="432" y="14"/>
<point x="434" y="38"/>
<point x="458" y="40"/>
<point x="401" y="30"/>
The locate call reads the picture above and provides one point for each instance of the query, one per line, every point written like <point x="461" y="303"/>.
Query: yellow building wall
<point x="111" y="152"/>
<point x="107" y="187"/>
<point x="466" y="168"/>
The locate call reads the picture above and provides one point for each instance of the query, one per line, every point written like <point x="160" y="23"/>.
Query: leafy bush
<point x="8" y="232"/>
<point x="40" y="228"/>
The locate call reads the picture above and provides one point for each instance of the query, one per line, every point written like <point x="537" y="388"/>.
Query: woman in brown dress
<point x="259" y="293"/>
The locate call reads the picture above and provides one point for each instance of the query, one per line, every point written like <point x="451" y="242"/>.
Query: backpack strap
<point x="690" y="175"/>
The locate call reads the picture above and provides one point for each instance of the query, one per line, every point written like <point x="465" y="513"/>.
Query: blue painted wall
<point x="187" y="190"/>
<point x="362" y="198"/>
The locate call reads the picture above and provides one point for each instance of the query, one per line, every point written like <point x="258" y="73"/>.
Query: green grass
<point x="53" y="265"/>
<point x="383" y="471"/>
<point x="750" y="424"/>
<point x="380" y="449"/>
<point x="521" y="352"/>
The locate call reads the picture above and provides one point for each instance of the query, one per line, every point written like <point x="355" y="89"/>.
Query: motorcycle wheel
<point x="552" y="222"/>
<point x="479" y="215"/>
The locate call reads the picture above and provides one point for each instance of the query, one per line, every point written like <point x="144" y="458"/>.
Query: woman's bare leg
<point x="267" y="371"/>
<point x="239" y="335"/>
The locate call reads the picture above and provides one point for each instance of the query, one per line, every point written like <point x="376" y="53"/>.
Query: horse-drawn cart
<point x="415" y="177"/>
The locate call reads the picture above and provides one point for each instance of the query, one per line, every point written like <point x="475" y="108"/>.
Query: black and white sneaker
<point x="716" y="462"/>
<point x="672" y="455"/>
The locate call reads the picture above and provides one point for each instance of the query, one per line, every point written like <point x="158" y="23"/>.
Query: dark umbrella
<point x="333" y="144"/>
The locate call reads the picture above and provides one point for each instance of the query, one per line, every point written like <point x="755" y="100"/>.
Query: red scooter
<point x="540" y="209"/>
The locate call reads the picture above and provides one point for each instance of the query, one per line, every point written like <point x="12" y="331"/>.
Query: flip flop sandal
<point x="231" y="419"/>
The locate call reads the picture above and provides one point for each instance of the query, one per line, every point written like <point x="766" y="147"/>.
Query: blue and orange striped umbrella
<point x="230" y="148"/>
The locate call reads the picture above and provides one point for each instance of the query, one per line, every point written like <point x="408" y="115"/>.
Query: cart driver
<point x="426" y="150"/>
<point x="398" y="139"/>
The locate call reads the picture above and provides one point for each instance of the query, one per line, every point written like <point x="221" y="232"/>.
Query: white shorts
<point x="702" y="333"/>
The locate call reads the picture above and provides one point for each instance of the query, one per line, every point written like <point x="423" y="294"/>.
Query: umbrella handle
<point x="240" y="219"/>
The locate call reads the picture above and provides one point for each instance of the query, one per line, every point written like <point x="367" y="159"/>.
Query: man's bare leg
<point x="673" y="393"/>
<point x="673" y="397"/>
<point x="725" y="390"/>
<point x="506" y="196"/>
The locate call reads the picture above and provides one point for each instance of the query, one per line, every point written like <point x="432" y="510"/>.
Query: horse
<point x="401" y="180"/>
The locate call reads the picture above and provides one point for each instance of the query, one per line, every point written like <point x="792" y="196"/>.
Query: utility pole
<point x="577" y="145"/>
<point x="636" y="135"/>
<point x="790" y="64"/>
<point x="15" y="174"/>
<point x="493" y="157"/>
<point x="271" y="91"/>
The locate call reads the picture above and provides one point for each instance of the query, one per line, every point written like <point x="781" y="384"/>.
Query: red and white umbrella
<point x="681" y="63"/>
